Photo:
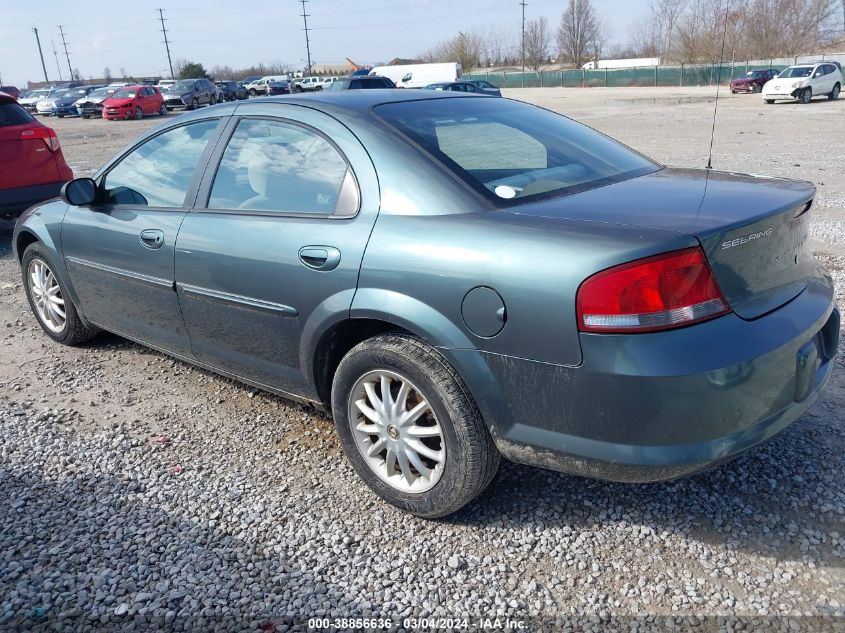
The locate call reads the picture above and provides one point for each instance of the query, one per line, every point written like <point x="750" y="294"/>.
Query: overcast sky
<point x="240" y="33"/>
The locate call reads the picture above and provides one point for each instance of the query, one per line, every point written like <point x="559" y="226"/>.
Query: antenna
<point x="718" y="85"/>
<point x="306" y="29"/>
<point x="166" y="43"/>
<point x="56" y="55"/>
<point x="69" y="69"/>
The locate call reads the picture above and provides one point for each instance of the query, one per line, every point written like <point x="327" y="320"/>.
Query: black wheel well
<point x="25" y="238"/>
<point x="335" y="344"/>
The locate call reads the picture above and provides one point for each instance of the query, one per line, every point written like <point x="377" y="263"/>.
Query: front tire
<point x="139" y="113"/>
<point x="162" y="111"/>
<point x="834" y="94"/>
<point x="410" y="428"/>
<point x="806" y="95"/>
<point x="769" y="101"/>
<point x="49" y="300"/>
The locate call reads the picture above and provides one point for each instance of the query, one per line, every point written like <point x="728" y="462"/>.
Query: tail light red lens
<point x="46" y="134"/>
<point x="657" y="293"/>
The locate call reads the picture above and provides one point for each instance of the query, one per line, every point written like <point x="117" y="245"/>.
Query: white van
<point x="419" y="75"/>
<point x="259" y="86"/>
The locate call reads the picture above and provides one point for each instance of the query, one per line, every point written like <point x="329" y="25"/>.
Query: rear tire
<point x="195" y="104"/>
<point x="769" y="101"/>
<point x="834" y="94"/>
<point x="806" y="95"/>
<point x="450" y="427"/>
<point x="72" y="331"/>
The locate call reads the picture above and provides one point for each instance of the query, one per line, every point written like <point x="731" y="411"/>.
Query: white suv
<point x="309" y="84"/>
<point x="805" y="81"/>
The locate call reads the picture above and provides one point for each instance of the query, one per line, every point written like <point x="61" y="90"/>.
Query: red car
<point x="11" y="90"/>
<point x="32" y="166"/>
<point x="753" y="81"/>
<point x="133" y="102"/>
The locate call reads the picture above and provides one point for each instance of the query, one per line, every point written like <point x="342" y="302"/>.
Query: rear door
<point x="276" y="251"/>
<point x="25" y="158"/>
<point x="119" y="251"/>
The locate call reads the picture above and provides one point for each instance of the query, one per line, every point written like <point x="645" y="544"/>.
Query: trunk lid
<point x="754" y="230"/>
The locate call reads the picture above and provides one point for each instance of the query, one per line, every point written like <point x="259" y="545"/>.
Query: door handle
<point x="321" y="258"/>
<point x="152" y="238"/>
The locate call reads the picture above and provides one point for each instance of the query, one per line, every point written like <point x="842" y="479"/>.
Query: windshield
<point x="796" y="71"/>
<point x="511" y="150"/>
<point x="57" y="93"/>
<point x="38" y="93"/>
<point x="124" y="93"/>
<point x="76" y="92"/>
<point x="101" y="93"/>
<point x="340" y="84"/>
<point x="182" y="85"/>
<point x="751" y="74"/>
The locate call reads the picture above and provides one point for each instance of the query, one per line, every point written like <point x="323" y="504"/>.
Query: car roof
<point x="7" y="98"/>
<point x="363" y="100"/>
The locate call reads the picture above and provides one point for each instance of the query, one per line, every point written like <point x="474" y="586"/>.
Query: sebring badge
<point x="746" y="238"/>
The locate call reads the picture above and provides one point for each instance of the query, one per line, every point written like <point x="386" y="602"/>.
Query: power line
<point x="306" y="29"/>
<point x="56" y="55"/>
<point x="67" y="55"/>
<point x="166" y="43"/>
<point x="41" y="54"/>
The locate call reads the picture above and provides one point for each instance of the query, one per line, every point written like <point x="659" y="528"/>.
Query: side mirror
<point x="80" y="192"/>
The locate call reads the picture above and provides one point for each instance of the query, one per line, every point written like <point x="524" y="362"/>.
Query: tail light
<point x="46" y="134"/>
<point x="657" y="293"/>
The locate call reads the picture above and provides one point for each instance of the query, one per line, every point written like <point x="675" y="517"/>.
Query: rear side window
<point x="159" y="172"/>
<point x="13" y="114"/>
<point x="279" y="166"/>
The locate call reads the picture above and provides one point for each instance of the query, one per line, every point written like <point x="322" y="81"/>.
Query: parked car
<point x="436" y="86"/>
<point x="32" y="166"/>
<point x="66" y="104"/>
<point x="258" y="87"/>
<point x="753" y="81"/>
<point x="91" y="105"/>
<point x="664" y="321"/>
<point x="360" y="82"/>
<point x="190" y="94"/>
<point x="133" y="102"/>
<point x="277" y="87"/>
<point x="485" y="86"/>
<point x="164" y="85"/>
<point x="805" y="81"/>
<point x="469" y="86"/>
<point x="12" y="91"/>
<point x="45" y="106"/>
<point x="32" y="97"/>
<point x="248" y="80"/>
<point x="232" y="90"/>
<point x="308" y="84"/>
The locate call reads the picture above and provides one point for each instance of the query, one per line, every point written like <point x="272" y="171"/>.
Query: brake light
<point x="46" y="134"/>
<point x="657" y="293"/>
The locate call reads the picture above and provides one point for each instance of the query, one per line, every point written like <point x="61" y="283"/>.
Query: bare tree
<point x="579" y="32"/>
<point x="665" y="14"/>
<point x="537" y="42"/>
<point x="466" y="48"/>
<point x="107" y="73"/>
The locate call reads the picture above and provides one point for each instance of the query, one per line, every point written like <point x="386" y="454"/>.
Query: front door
<point x="276" y="251"/>
<point x="120" y="251"/>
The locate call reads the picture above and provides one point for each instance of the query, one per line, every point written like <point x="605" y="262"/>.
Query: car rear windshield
<point x="13" y="114"/>
<point x="512" y="151"/>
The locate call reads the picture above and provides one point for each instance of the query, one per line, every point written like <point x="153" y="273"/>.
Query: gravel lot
<point x="136" y="490"/>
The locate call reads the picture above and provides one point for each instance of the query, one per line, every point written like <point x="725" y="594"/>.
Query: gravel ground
<point x="137" y="491"/>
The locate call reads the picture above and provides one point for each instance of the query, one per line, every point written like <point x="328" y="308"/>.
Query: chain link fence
<point x="682" y="75"/>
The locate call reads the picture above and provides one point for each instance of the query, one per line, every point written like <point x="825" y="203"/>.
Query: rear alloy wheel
<point x="212" y="100"/>
<point x="769" y="101"/>
<point x="834" y="94"/>
<point x="409" y="426"/>
<point x="48" y="300"/>
<point x="139" y="113"/>
<point x="806" y="95"/>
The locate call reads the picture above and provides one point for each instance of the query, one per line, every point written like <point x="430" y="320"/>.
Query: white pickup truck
<point x="308" y="84"/>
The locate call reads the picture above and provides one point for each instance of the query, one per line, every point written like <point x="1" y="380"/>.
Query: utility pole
<point x="69" y="69"/>
<point x="522" y="4"/>
<point x="41" y="53"/>
<point x="166" y="43"/>
<point x="306" y="29"/>
<point x="56" y="55"/>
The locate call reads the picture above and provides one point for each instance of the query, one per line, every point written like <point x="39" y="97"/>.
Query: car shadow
<point x="779" y="499"/>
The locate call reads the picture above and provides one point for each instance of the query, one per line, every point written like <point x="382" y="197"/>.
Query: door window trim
<point x="191" y="194"/>
<point x="216" y="160"/>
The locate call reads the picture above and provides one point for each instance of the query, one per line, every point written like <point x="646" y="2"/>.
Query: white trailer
<point x="633" y="62"/>
<point x="419" y="75"/>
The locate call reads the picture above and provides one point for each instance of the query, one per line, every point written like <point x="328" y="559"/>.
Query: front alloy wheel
<point x="46" y="295"/>
<point x="396" y="431"/>
<point x="806" y="95"/>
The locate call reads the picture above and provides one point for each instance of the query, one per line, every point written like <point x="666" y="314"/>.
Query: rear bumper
<point x="14" y="201"/>
<point x="657" y="406"/>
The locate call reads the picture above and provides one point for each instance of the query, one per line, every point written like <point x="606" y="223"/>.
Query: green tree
<point x="192" y="70"/>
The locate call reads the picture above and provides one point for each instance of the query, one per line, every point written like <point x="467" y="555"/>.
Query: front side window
<point x="510" y="150"/>
<point x="159" y="172"/>
<point x="278" y="166"/>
